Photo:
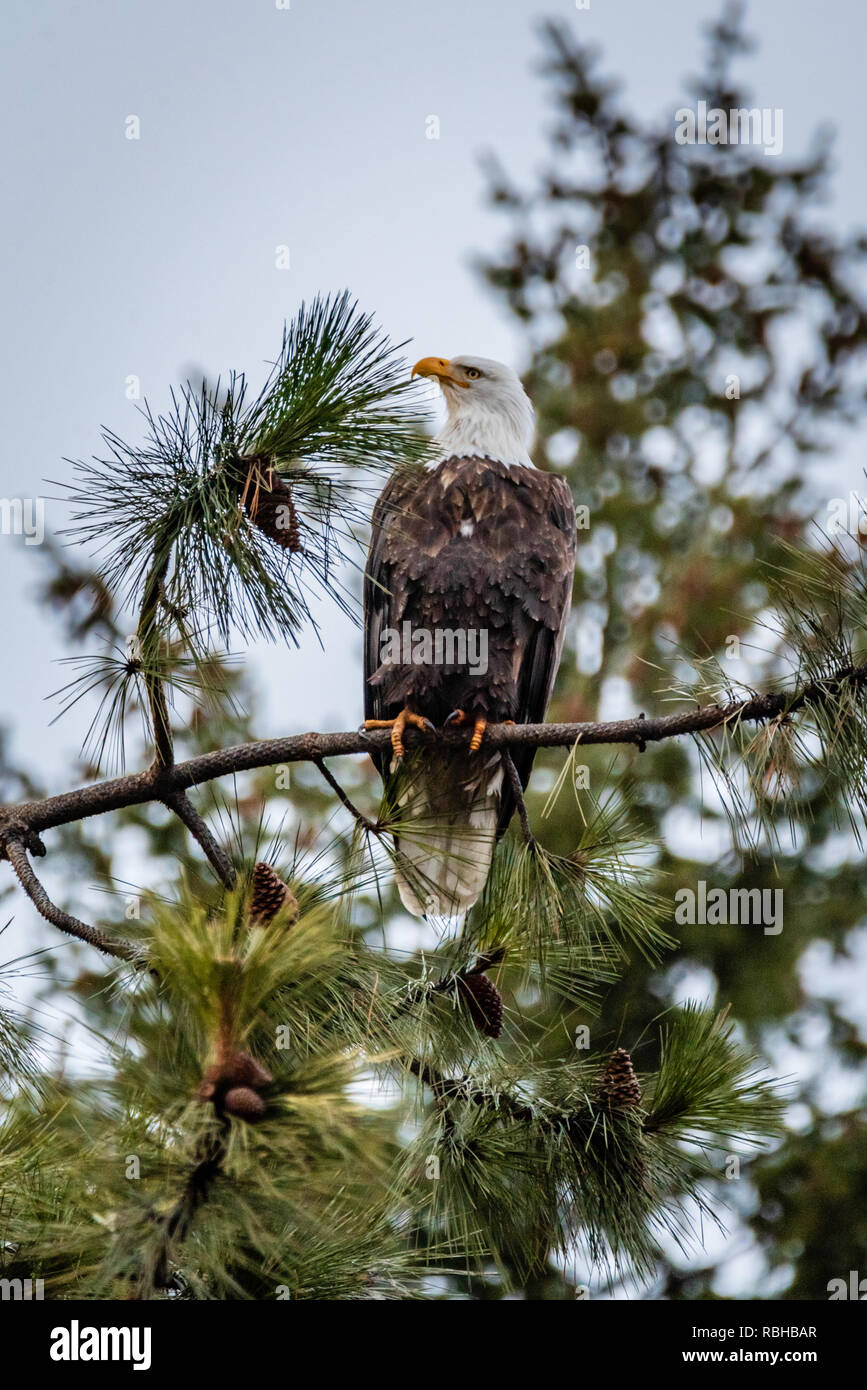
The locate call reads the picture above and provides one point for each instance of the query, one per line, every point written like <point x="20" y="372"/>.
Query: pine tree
<point x="660" y="371"/>
<point x="220" y="1148"/>
<point x="223" y="1146"/>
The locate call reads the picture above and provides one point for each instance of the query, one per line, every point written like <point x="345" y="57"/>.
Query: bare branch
<point x="17" y="855"/>
<point x="148" y="636"/>
<point x="19" y="825"/>
<point x="217" y="857"/>
<point x="156" y="784"/>
<point x="518" y="793"/>
<point x="361" y="820"/>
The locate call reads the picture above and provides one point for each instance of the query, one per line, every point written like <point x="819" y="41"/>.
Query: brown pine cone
<point x="271" y="508"/>
<point x="244" y="1104"/>
<point x="241" y="1070"/>
<point x="484" y="1002"/>
<point x="618" y="1085"/>
<point x="268" y="894"/>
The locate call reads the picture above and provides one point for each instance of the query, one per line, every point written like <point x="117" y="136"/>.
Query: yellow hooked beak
<point x="439" y="367"/>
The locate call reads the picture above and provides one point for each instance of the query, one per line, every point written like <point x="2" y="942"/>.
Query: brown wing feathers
<point x="472" y="543"/>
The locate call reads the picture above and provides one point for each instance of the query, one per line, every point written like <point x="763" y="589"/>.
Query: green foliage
<point x="136" y="1180"/>
<point x="134" y="1154"/>
<point x="337" y="397"/>
<point x="536" y="1164"/>
<point x="705" y="1086"/>
<point x="172" y="521"/>
<point x="489" y="1162"/>
<point x="19" y="1062"/>
<point x="665" y="393"/>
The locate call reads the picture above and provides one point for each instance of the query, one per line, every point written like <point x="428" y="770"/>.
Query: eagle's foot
<point x="397" y="727"/>
<point x="460" y="716"/>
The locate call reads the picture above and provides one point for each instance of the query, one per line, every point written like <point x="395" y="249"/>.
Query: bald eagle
<point x="466" y="596"/>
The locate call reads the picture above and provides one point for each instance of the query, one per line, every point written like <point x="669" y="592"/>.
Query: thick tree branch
<point x="156" y="784"/>
<point x="21" y="824"/>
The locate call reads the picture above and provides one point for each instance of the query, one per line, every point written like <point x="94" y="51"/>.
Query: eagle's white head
<point x="489" y="412"/>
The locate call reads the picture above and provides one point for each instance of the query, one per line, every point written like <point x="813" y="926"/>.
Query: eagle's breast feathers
<point x="477" y="546"/>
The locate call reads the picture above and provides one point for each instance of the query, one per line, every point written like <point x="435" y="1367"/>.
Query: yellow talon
<point x="397" y="727"/>
<point x="478" y="734"/>
<point x="460" y="716"/>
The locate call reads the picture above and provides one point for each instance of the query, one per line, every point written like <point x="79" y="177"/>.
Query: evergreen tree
<point x="220" y="1148"/>
<point x="663" y="287"/>
<point x="548" y="1116"/>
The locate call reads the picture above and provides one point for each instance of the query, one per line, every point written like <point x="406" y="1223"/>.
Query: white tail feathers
<point x="448" y="830"/>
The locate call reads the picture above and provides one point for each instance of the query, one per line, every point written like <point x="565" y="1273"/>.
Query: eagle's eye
<point x="472" y="372"/>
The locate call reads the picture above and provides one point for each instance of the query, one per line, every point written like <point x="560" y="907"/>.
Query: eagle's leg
<point x="397" y="727"/>
<point x="460" y="716"/>
<point x="480" y="723"/>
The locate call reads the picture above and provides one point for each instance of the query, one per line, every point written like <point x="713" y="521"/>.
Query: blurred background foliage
<point x="689" y="383"/>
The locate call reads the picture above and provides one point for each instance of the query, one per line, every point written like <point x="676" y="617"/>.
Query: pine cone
<point x="244" y="1104"/>
<point x="241" y="1070"/>
<point x="270" y="506"/>
<point x="268" y="895"/>
<point x="244" y="1070"/>
<point x="485" y="1003"/>
<point x="618" y="1086"/>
